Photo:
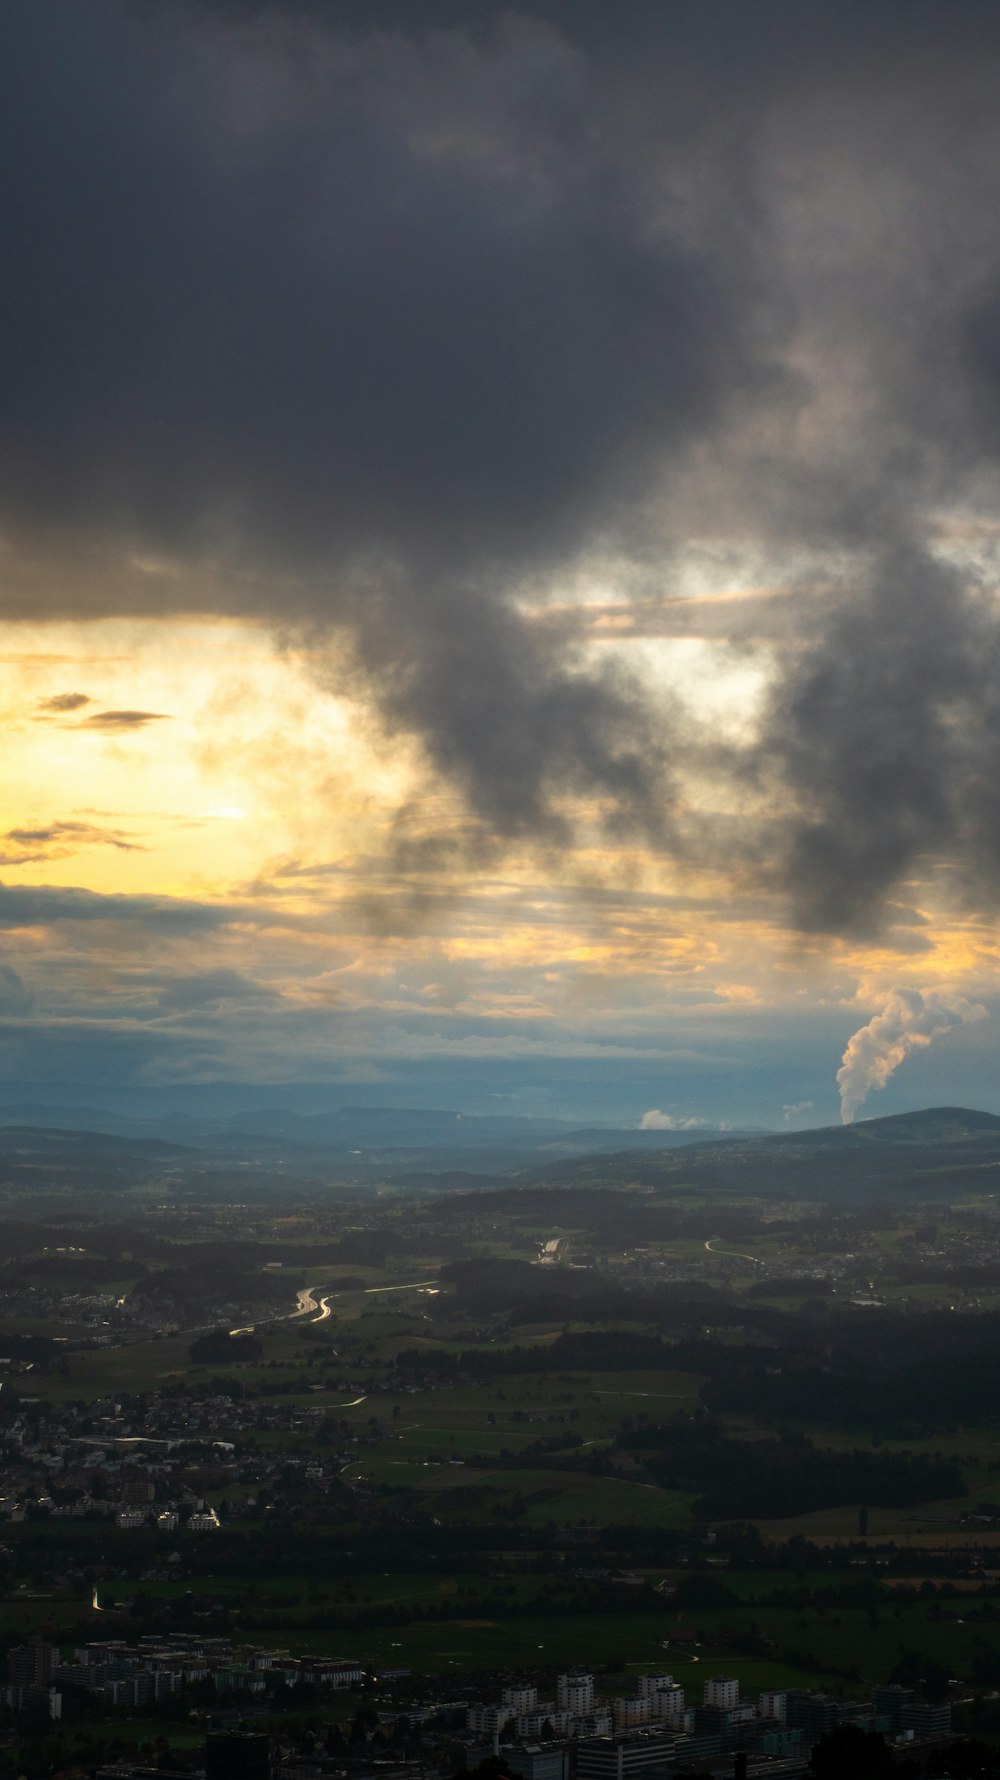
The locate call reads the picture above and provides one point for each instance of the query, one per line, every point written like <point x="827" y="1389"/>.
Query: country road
<point x="736" y="1253"/>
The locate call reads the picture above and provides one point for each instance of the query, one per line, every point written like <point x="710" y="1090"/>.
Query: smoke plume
<point x="910" y="1020"/>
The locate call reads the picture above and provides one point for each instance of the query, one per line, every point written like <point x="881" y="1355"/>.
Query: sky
<point x="499" y="532"/>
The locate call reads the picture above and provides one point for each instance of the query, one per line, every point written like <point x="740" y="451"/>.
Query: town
<point x="587" y="1480"/>
<point x="651" y="1735"/>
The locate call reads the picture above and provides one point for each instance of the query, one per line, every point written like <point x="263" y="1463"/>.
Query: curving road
<point x="736" y="1253"/>
<point x="317" y="1309"/>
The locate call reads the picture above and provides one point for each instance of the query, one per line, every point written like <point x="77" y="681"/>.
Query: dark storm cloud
<point x="869" y="729"/>
<point x="387" y="316"/>
<point x="370" y="316"/>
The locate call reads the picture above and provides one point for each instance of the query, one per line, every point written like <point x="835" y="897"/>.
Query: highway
<point x="317" y="1309"/>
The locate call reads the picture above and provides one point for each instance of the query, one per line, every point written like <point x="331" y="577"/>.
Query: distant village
<point x="129" y="1462"/>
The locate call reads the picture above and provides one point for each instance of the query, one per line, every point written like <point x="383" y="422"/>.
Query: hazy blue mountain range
<point x="934" y="1152"/>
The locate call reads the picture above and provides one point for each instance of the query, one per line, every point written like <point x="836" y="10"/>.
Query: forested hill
<point x="933" y="1153"/>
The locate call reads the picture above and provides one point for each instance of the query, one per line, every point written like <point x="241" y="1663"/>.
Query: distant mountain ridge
<point x="945" y="1148"/>
<point x="933" y="1124"/>
<point x="348" y="1130"/>
<point x="931" y="1155"/>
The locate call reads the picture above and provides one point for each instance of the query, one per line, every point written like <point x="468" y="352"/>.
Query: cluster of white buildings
<point x="576" y="1711"/>
<point x="133" y="1675"/>
<point x="202" y="1519"/>
<point x="520" y="1713"/>
<point x="641" y="1736"/>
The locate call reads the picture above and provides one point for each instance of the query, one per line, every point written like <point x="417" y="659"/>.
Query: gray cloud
<point x="121" y="720"/>
<point x="868" y="736"/>
<point x="44" y="905"/>
<point x="370" y="318"/>
<point x="63" y="702"/>
<point x="208" y="990"/>
<point x="389" y="317"/>
<point x="16" y="999"/>
<point x="68" y="836"/>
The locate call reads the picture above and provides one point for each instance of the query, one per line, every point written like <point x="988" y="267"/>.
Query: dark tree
<point x="849" y="1753"/>
<point x="916" y="1670"/>
<point x="967" y="1761"/>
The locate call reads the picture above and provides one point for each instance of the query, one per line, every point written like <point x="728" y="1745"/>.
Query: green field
<point x="494" y="1490"/>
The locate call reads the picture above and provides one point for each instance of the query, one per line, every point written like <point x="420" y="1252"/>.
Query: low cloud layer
<point x="654" y="1120"/>
<point x="44" y="906"/>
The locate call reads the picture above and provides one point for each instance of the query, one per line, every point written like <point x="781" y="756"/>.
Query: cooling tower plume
<point x="909" y="1020"/>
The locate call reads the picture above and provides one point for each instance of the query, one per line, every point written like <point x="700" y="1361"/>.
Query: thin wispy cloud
<point x="63" y="703"/>
<point x="122" y="720"/>
<point x="67" y="836"/>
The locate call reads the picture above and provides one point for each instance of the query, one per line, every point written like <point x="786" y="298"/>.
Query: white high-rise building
<point x="773" y="1705"/>
<point x="651" y="1684"/>
<point x="576" y="1692"/>
<point x="486" y="1718"/>
<point x="668" y="1702"/>
<point x="520" y="1699"/>
<point x="632" y="1711"/>
<point x="722" y="1691"/>
<point x="531" y="1724"/>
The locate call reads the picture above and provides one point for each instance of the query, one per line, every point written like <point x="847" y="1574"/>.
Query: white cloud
<point x="654" y="1120"/>
<point x="795" y="1111"/>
